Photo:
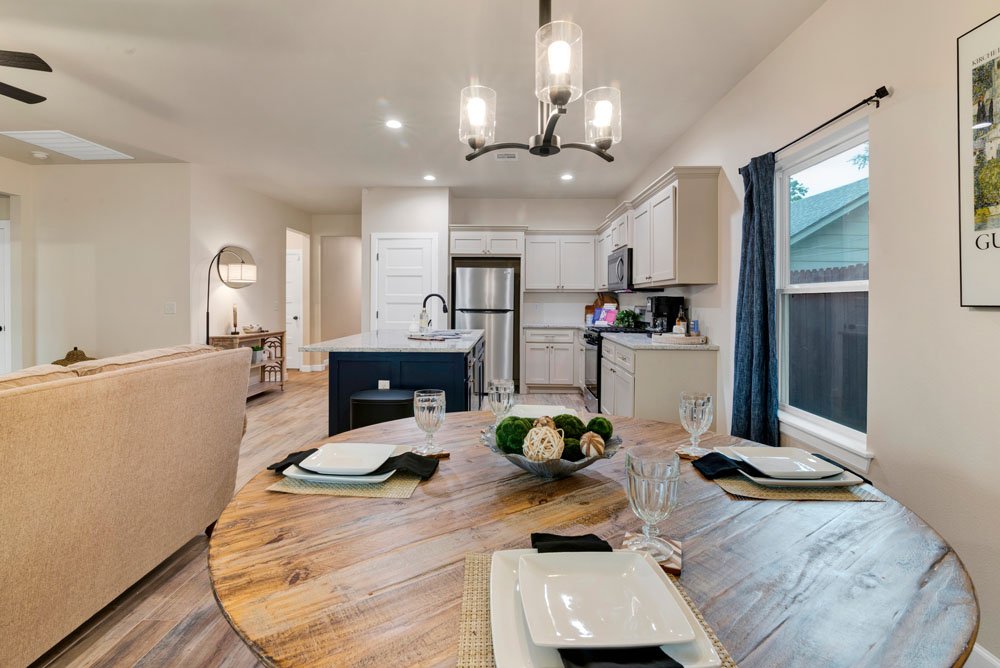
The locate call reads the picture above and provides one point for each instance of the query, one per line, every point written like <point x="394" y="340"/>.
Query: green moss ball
<point x="571" y="450"/>
<point x="601" y="426"/>
<point x="571" y="425"/>
<point x="510" y="434"/>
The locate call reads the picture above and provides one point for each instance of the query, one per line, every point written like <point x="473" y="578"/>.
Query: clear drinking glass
<point x="651" y="479"/>
<point x="501" y="395"/>
<point x="697" y="409"/>
<point x="428" y="411"/>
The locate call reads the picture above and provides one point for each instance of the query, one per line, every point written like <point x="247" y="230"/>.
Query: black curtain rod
<point x="880" y="93"/>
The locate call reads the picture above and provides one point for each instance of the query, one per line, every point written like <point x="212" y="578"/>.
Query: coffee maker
<point x="661" y="312"/>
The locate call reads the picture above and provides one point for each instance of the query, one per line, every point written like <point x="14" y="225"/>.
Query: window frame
<point x="843" y="443"/>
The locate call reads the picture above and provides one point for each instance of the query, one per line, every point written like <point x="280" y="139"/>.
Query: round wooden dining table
<point x="339" y="581"/>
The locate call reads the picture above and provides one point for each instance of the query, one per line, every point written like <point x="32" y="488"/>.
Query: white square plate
<point x="296" y="473"/>
<point x="512" y="645"/>
<point x="787" y="463"/>
<point x="845" y="479"/>
<point x="348" y="458"/>
<point x="532" y="411"/>
<point x="598" y="599"/>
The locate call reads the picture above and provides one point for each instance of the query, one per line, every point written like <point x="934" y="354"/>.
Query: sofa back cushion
<point x="34" y="375"/>
<point x="92" y="367"/>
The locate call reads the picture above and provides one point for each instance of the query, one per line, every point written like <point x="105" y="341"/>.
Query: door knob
<point x="295" y="317"/>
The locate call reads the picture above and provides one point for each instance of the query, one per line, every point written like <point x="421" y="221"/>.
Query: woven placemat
<point x="748" y="490"/>
<point x="399" y="486"/>
<point x="475" y="636"/>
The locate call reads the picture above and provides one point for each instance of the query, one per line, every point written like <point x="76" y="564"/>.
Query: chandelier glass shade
<point x="603" y="117"/>
<point x="478" y="116"/>
<point x="559" y="63"/>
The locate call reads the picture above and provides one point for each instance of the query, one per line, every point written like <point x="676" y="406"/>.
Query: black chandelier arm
<point x="550" y="126"/>
<point x="495" y="147"/>
<point x="593" y="149"/>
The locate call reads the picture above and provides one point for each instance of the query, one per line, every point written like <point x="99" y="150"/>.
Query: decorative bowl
<point x="554" y="468"/>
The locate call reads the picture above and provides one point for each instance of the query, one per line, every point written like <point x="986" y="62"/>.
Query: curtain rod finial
<point x="882" y="92"/>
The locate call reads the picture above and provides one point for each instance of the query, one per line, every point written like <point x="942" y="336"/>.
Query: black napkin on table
<point x="717" y="465"/>
<point x="637" y="657"/>
<point x="408" y="461"/>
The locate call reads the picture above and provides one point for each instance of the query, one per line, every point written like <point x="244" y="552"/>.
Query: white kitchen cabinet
<point x="561" y="364"/>
<point x="619" y="231"/>
<point x="607" y="387"/>
<point x="579" y="362"/>
<point x="624" y="395"/>
<point x="559" y="262"/>
<point x="603" y="248"/>
<point x="662" y="230"/>
<point x="536" y="363"/>
<point x="640" y="245"/>
<point x="487" y="242"/>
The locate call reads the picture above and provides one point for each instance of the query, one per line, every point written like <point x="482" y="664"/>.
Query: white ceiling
<point x="289" y="97"/>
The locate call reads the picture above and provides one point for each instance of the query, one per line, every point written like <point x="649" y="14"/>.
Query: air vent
<point x="505" y="156"/>
<point x="58" y="141"/>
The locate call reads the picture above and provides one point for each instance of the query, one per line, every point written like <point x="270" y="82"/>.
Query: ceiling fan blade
<point x="26" y="61"/>
<point x="20" y="95"/>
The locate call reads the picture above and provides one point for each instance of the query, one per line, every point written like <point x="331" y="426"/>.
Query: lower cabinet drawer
<point x="549" y="335"/>
<point x="625" y="358"/>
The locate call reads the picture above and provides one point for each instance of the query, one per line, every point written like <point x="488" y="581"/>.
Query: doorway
<point x="404" y="270"/>
<point x="5" y="279"/>
<point x="296" y="300"/>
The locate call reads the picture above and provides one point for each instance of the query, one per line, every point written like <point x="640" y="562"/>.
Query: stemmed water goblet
<point x="428" y="411"/>
<point x="696" y="409"/>
<point x="651" y="480"/>
<point x="501" y="397"/>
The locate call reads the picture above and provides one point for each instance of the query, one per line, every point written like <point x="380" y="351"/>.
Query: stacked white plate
<point x="346" y="463"/>
<point x="533" y="411"/>
<point x="790" y="467"/>
<point x="542" y="602"/>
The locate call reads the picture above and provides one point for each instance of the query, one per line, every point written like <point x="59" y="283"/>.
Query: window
<point x="822" y="280"/>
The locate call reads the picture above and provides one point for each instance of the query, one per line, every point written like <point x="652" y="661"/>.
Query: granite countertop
<point x="643" y="342"/>
<point x="551" y="326"/>
<point x="395" y="341"/>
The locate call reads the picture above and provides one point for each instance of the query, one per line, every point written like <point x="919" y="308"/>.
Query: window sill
<point x="849" y="451"/>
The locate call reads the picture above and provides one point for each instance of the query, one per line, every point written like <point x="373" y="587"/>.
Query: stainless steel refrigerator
<point x="485" y="299"/>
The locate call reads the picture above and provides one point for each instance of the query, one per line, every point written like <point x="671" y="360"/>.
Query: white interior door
<point x="293" y="309"/>
<point x="404" y="271"/>
<point x="5" y="278"/>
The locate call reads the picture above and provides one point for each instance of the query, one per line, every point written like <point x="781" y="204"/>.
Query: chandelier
<point x="558" y="82"/>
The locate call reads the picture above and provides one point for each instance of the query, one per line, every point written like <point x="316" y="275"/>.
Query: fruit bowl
<point x="554" y="468"/>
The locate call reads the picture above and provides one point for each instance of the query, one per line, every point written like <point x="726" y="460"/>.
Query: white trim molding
<point x="982" y="658"/>
<point x="843" y="445"/>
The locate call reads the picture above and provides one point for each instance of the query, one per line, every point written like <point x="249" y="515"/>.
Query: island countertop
<point x="643" y="342"/>
<point x="395" y="341"/>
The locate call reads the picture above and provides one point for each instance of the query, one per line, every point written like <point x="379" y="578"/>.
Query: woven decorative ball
<point x="545" y="421"/>
<point x="543" y="443"/>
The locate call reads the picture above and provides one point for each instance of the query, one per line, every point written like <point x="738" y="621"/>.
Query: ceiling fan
<point x="25" y="61"/>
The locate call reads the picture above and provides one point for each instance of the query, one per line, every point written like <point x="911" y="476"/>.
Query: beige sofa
<point x="109" y="467"/>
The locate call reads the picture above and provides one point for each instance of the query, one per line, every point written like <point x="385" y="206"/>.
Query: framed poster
<point x="979" y="163"/>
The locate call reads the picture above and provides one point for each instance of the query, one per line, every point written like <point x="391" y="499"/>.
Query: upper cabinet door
<point x="640" y="245"/>
<point x="576" y="262"/>
<point x="663" y="234"/>
<point x="468" y="243"/>
<point x="619" y="232"/>
<point x="541" y="263"/>
<point x="601" y="265"/>
<point x="505" y="243"/>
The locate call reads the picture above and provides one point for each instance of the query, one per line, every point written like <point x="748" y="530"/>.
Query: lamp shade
<point x="477" y="116"/>
<point x="238" y="273"/>
<point x="559" y="63"/>
<point x="603" y="117"/>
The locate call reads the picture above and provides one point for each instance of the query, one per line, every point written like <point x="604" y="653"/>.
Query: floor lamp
<point x="236" y="268"/>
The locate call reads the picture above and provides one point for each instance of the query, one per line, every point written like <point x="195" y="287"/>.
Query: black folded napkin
<point x="636" y="657"/>
<point x="408" y="461"/>
<point x="550" y="542"/>
<point x="639" y="657"/>
<point x="717" y="465"/>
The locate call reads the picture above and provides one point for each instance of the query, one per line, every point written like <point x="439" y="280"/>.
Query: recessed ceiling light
<point x="393" y="124"/>
<point x="64" y="143"/>
<point x="430" y="177"/>
<point x="40" y="155"/>
<point x="566" y="177"/>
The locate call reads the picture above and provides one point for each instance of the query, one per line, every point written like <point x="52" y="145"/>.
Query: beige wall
<point x="536" y="214"/>
<point x="402" y="210"/>
<point x="222" y="214"/>
<point x="4" y="208"/>
<point x="931" y="405"/>
<point x="15" y="180"/>
<point x="111" y="247"/>
<point x="323" y="226"/>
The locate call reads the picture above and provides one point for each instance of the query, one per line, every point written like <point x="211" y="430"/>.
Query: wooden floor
<point x="170" y="618"/>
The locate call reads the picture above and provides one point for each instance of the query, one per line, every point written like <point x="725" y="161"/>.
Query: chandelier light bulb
<point x="560" y="55"/>
<point x="476" y="109"/>
<point x="602" y="113"/>
<point x="477" y="122"/>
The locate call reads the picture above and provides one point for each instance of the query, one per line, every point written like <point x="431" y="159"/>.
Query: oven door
<point x="591" y="363"/>
<point x="620" y="270"/>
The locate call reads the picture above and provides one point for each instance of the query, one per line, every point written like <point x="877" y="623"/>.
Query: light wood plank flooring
<point x="170" y="618"/>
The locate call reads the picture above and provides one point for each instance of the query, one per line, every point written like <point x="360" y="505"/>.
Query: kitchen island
<point x="359" y="362"/>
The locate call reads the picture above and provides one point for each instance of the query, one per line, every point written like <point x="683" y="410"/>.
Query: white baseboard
<point x="982" y="658"/>
<point x="308" y="368"/>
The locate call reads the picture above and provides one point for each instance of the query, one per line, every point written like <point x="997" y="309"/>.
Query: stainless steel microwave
<point x="620" y="270"/>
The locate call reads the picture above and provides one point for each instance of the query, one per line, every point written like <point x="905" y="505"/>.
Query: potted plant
<point x="258" y="354"/>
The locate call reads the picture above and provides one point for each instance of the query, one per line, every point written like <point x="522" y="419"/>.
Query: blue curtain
<point x="755" y="382"/>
